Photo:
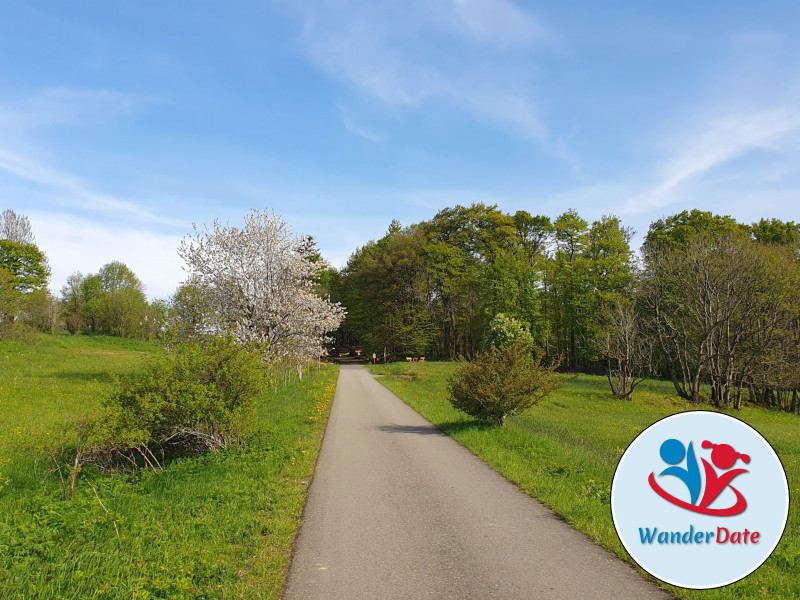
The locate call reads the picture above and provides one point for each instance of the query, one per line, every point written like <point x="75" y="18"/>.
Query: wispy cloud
<point x="563" y="150"/>
<point x="354" y="128"/>
<point x="719" y="141"/>
<point x="499" y="22"/>
<point x="65" y="105"/>
<point x="414" y="52"/>
<point x="71" y="190"/>
<point x="24" y="129"/>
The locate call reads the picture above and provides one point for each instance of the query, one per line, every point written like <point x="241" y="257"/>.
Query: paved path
<point x="399" y="510"/>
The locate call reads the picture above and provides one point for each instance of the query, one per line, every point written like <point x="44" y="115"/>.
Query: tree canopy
<point x="26" y="263"/>
<point x="261" y="281"/>
<point x="711" y="304"/>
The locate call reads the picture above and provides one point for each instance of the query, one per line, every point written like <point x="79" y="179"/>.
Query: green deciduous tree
<point x="570" y="290"/>
<point x="610" y="258"/>
<point x="27" y="264"/>
<point x="189" y="310"/>
<point x="92" y="292"/>
<point x="678" y="231"/>
<point x="116" y="276"/>
<point x="475" y="270"/>
<point x="41" y="310"/>
<point x="777" y="232"/>
<point x="124" y="313"/>
<point x="10" y="298"/>
<point x="385" y="286"/>
<point x="111" y="301"/>
<point x="718" y="306"/>
<point x="72" y="302"/>
<point x="23" y="273"/>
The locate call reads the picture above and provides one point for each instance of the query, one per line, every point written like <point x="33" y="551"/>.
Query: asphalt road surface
<point x="398" y="510"/>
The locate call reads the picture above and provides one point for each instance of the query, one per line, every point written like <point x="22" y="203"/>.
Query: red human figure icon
<point x="724" y="457"/>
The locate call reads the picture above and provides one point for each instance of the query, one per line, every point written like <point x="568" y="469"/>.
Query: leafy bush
<point x="191" y="399"/>
<point x="500" y="382"/>
<point x="505" y="330"/>
<point x="41" y="310"/>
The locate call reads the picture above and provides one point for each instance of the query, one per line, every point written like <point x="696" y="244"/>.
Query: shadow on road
<point x="349" y="360"/>
<point x="444" y="428"/>
<point x="418" y="429"/>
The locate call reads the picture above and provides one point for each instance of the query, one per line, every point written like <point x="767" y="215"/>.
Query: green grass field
<point x="564" y="451"/>
<point x="215" y="526"/>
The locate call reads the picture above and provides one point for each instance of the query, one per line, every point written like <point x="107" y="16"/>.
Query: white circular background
<point x="635" y="505"/>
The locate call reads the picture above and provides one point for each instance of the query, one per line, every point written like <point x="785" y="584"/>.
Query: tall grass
<point x="213" y="526"/>
<point x="564" y="452"/>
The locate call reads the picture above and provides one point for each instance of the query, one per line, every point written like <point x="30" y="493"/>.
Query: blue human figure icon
<point x="672" y="452"/>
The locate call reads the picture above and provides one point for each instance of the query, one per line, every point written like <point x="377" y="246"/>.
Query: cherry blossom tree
<point x="260" y="282"/>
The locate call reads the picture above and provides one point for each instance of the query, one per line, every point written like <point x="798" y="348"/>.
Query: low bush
<point x="500" y="382"/>
<point x="192" y="399"/>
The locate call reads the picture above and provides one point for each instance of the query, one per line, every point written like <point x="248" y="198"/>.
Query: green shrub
<point x="501" y="382"/>
<point x="505" y="330"/>
<point x="192" y="399"/>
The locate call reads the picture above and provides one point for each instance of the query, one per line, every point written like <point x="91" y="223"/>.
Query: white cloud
<point x="78" y="244"/>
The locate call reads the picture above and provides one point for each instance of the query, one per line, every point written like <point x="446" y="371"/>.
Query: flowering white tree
<point x="260" y="282"/>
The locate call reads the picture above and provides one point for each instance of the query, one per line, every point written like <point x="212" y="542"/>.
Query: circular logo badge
<point x="699" y="499"/>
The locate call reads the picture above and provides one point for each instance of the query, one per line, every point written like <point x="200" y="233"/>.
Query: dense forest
<point x="709" y="303"/>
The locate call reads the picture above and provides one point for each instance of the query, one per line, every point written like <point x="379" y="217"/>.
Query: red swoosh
<point x="737" y="508"/>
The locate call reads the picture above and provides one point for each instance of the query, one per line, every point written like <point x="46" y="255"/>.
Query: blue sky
<point x="123" y="123"/>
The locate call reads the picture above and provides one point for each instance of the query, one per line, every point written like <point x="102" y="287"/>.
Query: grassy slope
<point x="58" y="376"/>
<point x="216" y="526"/>
<point x="564" y="452"/>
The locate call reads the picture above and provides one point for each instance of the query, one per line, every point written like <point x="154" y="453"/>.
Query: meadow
<point x="564" y="451"/>
<point x="211" y="526"/>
